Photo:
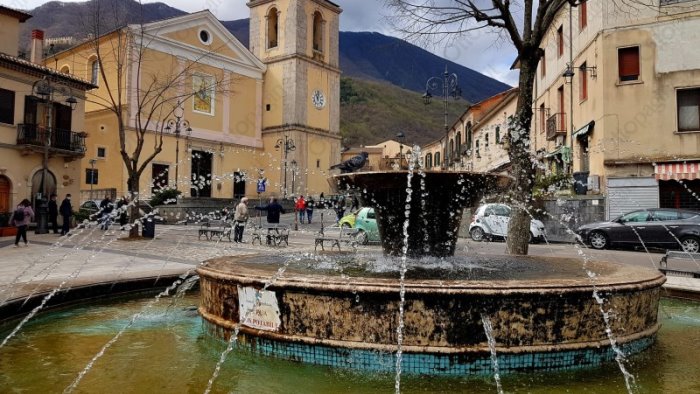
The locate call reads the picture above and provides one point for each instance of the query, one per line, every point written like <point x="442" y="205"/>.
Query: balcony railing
<point x="62" y="141"/>
<point x="556" y="125"/>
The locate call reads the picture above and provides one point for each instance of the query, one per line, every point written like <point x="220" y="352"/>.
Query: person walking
<point x="23" y="215"/>
<point x="300" y="207"/>
<point x="53" y="212"/>
<point x="106" y="208"/>
<point x="274" y="209"/>
<point x="240" y="217"/>
<point x="355" y="204"/>
<point x="310" y="205"/>
<point x="66" y="211"/>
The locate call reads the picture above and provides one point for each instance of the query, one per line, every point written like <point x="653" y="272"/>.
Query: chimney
<point x="37" y="49"/>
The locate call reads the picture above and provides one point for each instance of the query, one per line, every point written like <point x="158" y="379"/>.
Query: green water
<point x="168" y="352"/>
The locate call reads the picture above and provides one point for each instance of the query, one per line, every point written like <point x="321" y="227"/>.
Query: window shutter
<point x="583" y="15"/>
<point x="688" y="109"/>
<point x="628" y="59"/>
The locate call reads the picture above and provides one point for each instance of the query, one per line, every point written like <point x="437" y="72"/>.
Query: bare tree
<point x="525" y="25"/>
<point x="142" y="104"/>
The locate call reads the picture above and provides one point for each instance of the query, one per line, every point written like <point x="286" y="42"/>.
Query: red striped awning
<point x="678" y="171"/>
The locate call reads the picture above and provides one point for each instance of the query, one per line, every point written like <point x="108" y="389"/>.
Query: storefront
<point x="679" y="184"/>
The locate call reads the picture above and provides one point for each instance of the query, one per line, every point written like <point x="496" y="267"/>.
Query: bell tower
<point x="298" y="42"/>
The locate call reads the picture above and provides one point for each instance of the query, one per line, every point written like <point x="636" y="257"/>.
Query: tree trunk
<point x="523" y="170"/>
<point x="134" y="215"/>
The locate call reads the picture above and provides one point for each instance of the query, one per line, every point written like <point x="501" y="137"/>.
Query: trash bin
<point x="581" y="182"/>
<point x="149" y="227"/>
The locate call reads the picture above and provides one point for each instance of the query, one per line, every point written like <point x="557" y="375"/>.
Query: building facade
<point x="42" y="138"/>
<point x="229" y="115"/>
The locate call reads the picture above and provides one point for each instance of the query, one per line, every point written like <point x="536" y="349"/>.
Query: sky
<point x="481" y="50"/>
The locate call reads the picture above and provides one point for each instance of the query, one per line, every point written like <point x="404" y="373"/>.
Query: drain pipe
<point x="571" y="87"/>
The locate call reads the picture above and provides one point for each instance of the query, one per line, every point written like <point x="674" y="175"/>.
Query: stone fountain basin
<point x="538" y="306"/>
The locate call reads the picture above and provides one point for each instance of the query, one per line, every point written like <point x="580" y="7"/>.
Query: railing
<point x="65" y="140"/>
<point x="556" y="125"/>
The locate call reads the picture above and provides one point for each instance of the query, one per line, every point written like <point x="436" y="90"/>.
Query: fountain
<point x="543" y="313"/>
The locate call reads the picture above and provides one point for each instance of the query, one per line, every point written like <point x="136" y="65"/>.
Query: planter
<point x="8" y="231"/>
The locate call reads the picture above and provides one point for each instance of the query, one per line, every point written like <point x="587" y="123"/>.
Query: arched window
<point x="272" y="28"/>
<point x="94" y="71"/>
<point x="498" y="134"/>
<point x="65" y="70"/>
<point x="486" y="141"/>
<point x="469" y="135"/>
<point x="318" y="32"/>
<point x="437" y="159"/>
<point x="458" y="140"/>
<point x="429" y="160"/>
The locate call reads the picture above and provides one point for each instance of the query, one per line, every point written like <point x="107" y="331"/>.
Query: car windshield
<point x="370" y="214"/>
<point x="637" y="216"/>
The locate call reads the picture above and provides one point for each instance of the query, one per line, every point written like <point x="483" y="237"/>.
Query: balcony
<point x="556" y="125"/>
<point x="63" y="142"/>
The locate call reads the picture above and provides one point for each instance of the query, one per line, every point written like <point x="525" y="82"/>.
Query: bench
<point x="691" y="258"/>
<point x="274" y="235"/>
<point x="215" y="228"/>
<point x="336" y="236"/>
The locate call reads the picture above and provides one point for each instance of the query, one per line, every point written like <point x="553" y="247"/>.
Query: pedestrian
<point x="310" y="205"/>
<point x="53" y="212"/>
<point x="300" y="207"/>
<point x="274" y="209"/>
<point x="355" y="204"/>
<point x="122" y="207"/>
<point x="66" y="211"/>
<point x="240" y="217"/>
<point x="23" y="215"/>
<point x="106" y="208"/>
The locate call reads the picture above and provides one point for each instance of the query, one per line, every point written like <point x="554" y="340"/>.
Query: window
<point x="7" y="106"/>
<point x="272" y="28"/>
<point x="101" y="152"/>
<point x="65" y="70"/>
<point x="318" y="163"/>
<point x="664" y="215"/>
<point x="469" y="135"/>
<point x="637" y="216"/>
<point x="429" y="160"/>
<point x="458" y="140"/>
<point x="543" y="120"/>
<point x="486" y="141"/>
<point x="543" y="64"/>
<point x="560" y="99"/>
<point x="91" y="176"/>
<point x="583" y="15"/>
<point x="94" y="72"/>
<point x="560" y="41"/>
<point x="498" y="134"/>
<point x="628" y="63"/>
<point x="437" y="159"/>
<point x="583" y="82"/>
<point x="318" y="32"/>
<point x="371" y="214"/>
<point x="205" y="37"/>
<point x="476" y="149"/>
<point x="688" y="109"/>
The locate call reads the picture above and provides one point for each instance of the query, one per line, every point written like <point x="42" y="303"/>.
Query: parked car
<point x="660" y="228"/>
<point x="91" y="207"/>
<point x="365" y="220"/>
<point x="490" y="221"/>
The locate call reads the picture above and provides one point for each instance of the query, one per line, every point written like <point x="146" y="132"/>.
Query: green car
<point x="365" y="221"/>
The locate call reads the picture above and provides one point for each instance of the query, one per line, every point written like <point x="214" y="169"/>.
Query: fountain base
<point x="543" y="314"/>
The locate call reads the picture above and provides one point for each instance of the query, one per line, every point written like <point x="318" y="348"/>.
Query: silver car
<point x="490" y="221"/>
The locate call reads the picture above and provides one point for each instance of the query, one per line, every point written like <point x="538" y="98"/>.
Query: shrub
<point x="165" y="196"/>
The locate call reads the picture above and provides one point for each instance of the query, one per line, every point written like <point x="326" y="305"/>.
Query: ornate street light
<point x="176" y="126"/>
<point x="568" y="73"/>
<point x="286" y="144"/>
<point x="45" y="89"/>
<point x="447" y="85"/>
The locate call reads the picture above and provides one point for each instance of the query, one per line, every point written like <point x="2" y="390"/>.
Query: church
<point x="214" y="117"/>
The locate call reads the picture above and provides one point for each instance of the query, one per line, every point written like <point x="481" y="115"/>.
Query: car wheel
<point x="477" y="234"/>
<point x="362" y="237"/>
<point x="598" y="240"/>
<point x="346" y="225"/>
<point x="690" y="245"/>
<point x="533" y="240"/>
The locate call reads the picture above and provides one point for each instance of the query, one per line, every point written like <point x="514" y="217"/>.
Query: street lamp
<point x="46" y="90"/>
<point x="176" y="125"/>
<point x="287" y="145"/>
<point x="568" y="73"/>
<point x="448" y="85"/>
<point x="294" y="176"/>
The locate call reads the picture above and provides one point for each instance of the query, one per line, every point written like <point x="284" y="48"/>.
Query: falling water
<point x="488" y="329"/>
<point x="415" y="157"/>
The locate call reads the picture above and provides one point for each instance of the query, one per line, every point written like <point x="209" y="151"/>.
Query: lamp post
<point x="448" y="86"/>
<point x="176" y="126"/>
<point x="286" y="144"/>
<point x="46" y="90"/>
<point x="294" y="177"/>
<point x="569" y="79"/>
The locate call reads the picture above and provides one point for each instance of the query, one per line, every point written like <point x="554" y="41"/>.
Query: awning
<point x="583" y="131"/>
<point x="562" y="150"/>
<point x="678" y="171"/>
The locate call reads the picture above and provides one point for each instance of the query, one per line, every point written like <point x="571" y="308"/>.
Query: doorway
<point x="5" y="192"/>
<point x="201" y="173"/>
<point x="238" y="184"/>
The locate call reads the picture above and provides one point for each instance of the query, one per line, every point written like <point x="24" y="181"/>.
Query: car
<point x="665" y="228"/>
<point x="490" y="221"/>
<point x="90" y="207"/>
<point x="365" y="220"/>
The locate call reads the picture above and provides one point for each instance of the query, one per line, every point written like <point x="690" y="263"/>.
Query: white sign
<point x="258" y="309"/>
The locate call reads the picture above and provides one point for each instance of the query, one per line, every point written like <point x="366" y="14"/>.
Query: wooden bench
<point x="336" y="236"/>
<point x="215" y="228"/>
<point x="692" y="258"/>
<point x="275" y="234"/>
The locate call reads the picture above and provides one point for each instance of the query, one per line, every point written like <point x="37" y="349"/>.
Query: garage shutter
<point x="629" y="194"/>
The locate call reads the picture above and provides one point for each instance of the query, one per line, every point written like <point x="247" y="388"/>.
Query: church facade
<point x="215" y="116"/>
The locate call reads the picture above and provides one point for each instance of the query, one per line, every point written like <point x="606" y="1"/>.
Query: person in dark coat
<point x="53" y="212"/>
<point x="122" y="207"/>
<point x="22" y="216"/>
<point x="66" y="211"/>
<point x="274" y="209"/>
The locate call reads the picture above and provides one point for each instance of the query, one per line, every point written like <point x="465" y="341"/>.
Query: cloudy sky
<point x="481" y="50"/>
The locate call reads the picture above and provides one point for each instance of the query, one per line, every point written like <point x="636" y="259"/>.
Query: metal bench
<point x="336" y="236"/>
<point x="694" y="258"/>
<point x="275" y="234"/>
<point x="215" y="228"/>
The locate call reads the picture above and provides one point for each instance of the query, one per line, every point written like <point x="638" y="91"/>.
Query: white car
<point x="491" y="222"/>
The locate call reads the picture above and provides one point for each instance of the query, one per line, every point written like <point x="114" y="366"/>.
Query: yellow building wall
<point x="273" y="95"/>
<point x="9" y="31"/>
<point x="191" y="37"/>
<point x="318" y="80"/>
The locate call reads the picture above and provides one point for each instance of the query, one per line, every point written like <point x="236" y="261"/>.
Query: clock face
<point x="318" y="99"/>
